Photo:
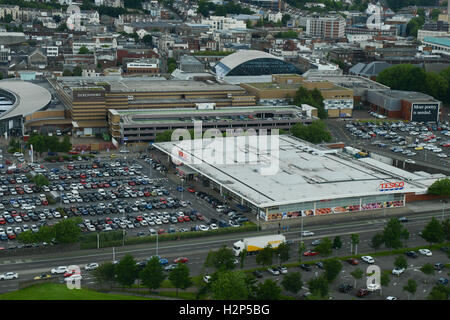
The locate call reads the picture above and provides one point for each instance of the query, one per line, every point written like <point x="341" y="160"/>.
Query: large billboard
<point x="425" y="112"/>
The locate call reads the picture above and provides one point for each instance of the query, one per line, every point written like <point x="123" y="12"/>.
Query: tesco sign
<point x="391" y="186"/>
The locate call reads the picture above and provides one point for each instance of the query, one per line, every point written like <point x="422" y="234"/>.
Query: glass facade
<point x="263" y="66"/>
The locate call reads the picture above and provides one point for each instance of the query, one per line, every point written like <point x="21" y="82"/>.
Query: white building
<point x="224" y="23"/>
<point x="356" y="38"/>
<point x="52" y="51"/>
<point x="327" y="27"/>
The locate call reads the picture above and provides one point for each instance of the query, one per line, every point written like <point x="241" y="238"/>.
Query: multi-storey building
<point x="332" y="27"/>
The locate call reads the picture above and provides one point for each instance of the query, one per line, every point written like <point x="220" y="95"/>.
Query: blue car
<point x="443" y="281"/>
<point x="149" y="206"/>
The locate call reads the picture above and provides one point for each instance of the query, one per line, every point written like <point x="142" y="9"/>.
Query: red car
<point x="191" y="190"/>
<point x="161" y="231"/>
<point x="310" y="253"/>
<point x="139" y="218"/>
<point x="2" y="221"/>
<point x="181" y="260"/>
<point x="73" y="152"/>
<point x="11" y="236"/>
<point x="352" y="261"/>
<point x="180" y="219"/>
<point x="186" y="218"/>
<point x="362" y="292"/>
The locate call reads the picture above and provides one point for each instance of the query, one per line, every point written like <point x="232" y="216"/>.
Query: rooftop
<point x="300" y="176"/>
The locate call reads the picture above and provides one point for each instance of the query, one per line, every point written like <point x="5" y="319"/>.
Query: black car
<point x="412" y="254"/>
<point x="345" y="287"/>
<point x="257" y="274"/>
<point x="319" y="265"/>
<point x="306" y="267"/>
<point x="403" y="219"/>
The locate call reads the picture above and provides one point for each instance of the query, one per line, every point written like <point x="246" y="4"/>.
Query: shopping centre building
<point x="308" y="179"/>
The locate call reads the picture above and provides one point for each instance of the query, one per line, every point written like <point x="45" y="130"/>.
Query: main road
<point x="197" y="249"/>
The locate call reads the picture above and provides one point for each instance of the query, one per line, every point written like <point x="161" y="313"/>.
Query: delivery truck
<point x="255" y="244"/>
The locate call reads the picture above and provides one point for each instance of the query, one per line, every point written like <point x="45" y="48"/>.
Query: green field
<point x="53" y="291"/>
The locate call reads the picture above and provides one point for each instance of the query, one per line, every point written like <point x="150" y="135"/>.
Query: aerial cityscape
<point x="194" y="150"/>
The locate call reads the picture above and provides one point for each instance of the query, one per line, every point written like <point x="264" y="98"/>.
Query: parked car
<point x="439" y="266"/>
<point x="91" y="266"/>
<point x="368" y="259"/>
<point x="412" y="254"/>
<point x="310" y="253"/>
<point x="273" y="271"/>
<point x="352" y="261"/>
<point x="345" y="287"/>
<point x="362" y="293"/>
<point x="443" y="281"/>
<point x="306" y="267"/>
<point x="181" y="260"/>
<point x="9" y="276"/>
<point x="257" y="274"/>
<point x="425" y="252"/>
<point x="398" y="271"/>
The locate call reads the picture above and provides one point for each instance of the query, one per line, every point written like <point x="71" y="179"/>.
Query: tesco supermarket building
<point x="309" y="180"/>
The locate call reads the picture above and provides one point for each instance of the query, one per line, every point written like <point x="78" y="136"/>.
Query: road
<point x="197" y="249"/>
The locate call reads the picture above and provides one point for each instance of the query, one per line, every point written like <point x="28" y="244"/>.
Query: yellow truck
<point x="255" y="244"/>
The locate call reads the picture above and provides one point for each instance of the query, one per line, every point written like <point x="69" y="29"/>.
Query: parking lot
<point x="108" y="193"/>
<point x="409" y="141"/>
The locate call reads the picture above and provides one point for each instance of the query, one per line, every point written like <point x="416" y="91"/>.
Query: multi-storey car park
<point x="310" y="180"/>
<point x="142" y="126"/>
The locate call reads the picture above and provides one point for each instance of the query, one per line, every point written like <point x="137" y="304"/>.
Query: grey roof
<point x="30" y="97"/>
<point x="370" y="69"/>
<point x="241" y="56"/>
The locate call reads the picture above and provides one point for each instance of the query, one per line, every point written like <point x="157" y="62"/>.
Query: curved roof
<point x="29" y="97"/>
<point x="241" y="56"/>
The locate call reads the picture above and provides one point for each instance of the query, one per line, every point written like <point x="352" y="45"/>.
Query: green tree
<point x="301" y="249"/>
<point x="400" y="262"/>
<point x="427" y="269"/>
<point x="439" y="292"/>
<point x="411" y="287"/>
<point x="446" y="229"/>
<point x="357" y="274"/>
<point x="316" y="132"/>
<point x="40" y="180"/>
<point x="268" y="290"/>
<point x="180" y="277"/>
<point x="83" y="50"/>
<point x="104" y="274"/>
<point x="355" y="241"/>
<point x="126" y="271"/>
<point x="332" y="269"/>
<point x="77" y="71"/>
<point x="440" y="187"/>
<point x="230" y="285"/>
<point x="384" y="279"/>
<point x="377" y="241"/>
<point x="152" y="275"/>
<point x="436" y="86"/>
<point x="147" y="39"/>
<point x="242" y="256"/>
<point x="292" y="282"/>
<point x="222" y="259"/>
<point x="433" y="232"/>
<point x="67" y="73"/>
<point x="27" y="237"/>
<point x="164" y="136"/>
<point x="337" y="243"/>
<point x="265" y="256"/>
<point x="403" y="77"/>
<point x="325" y="247"/>
<point x="392" y="234"/>
<point x="319" y="287"/>
<point x="283" y="252"/>
<point x="67" y="231"/>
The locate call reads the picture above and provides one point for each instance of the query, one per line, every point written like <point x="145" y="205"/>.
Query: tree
<point x="164" y="136"/>
<point x="265" y="256"/>
<point x="242" y="256"/>
<point x="105" y="273"/>
<point x="300" y="250"/>
<point x="268" y="290"/>
<point x="446" y="229"/>
<point x="332" y="269"/>
<point x="67" y="73"/>
<point x="126" y="271"/>
<point x="384" y="279"/>
<point x="180" y="277"/>
<point x="222" y="259"/>
<point x="355" y="241"/>
<point x="427" y="269"/>
<point x="403" y="77"/>
<point x="377" y="241"/>
<point x="83" y="50"/>
<point x="436" y="86"/>
<point x="325" y="247"/>
<point x="230" y="285"/>
<point x="292" y="282"/>
<point x="433" y="232"/>
<point x="411" y="287"/>
<point x="392" y="234"/>
<point x="147" y="39"/>
<point x="400" y="262"/>
<point x="337" y="243"/>
<point x="152" y="275"/>
<point x="357" y="274"/>
<point x="316" y="132"/>
<point x="77" y="71"/>
<point x="440" y="187"/>
<point x="27" y="237"/>
<point x="67" y="231"/>
<point x="319" y="287"/>
<point x="8" y="18"/>
<point x="283" y="252"/>
<point x="404" y="234"/>
<point x="439" y="292"/>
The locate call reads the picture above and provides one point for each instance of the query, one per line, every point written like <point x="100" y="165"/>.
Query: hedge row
<point x="90" y="241"/>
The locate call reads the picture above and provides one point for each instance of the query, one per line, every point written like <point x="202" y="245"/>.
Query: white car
<point x="391" y="298"/>
<point x="207" y="279"/>
<point x="91" y="266"/>
<point x="373" y="286"/>
<point x="73" y="278"/>
<point x="9" y="276"/>
<point x="398" y="271"/>
<point x="59" y="270"/>
<point x="410" y="161"/>
<point x="213" y="226"/>
<point x="273" y="271"/>
<point x="202" y="227"/>
<point x="307" y="233"/>
<point x="368" y="259"/>
<point x="425" y="252"/>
